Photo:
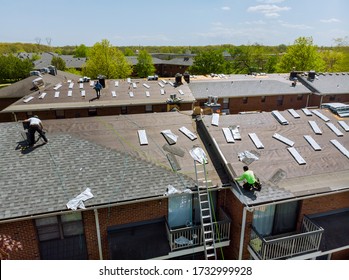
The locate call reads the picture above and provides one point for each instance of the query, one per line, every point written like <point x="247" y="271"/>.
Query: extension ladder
<point x="208" y="235"/>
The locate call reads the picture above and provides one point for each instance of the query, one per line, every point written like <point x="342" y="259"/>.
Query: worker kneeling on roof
<point x="35" y="125"/>
<point x="252" y="183"/>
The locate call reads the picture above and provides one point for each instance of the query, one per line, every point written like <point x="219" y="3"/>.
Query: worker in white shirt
<point x="35" y="125"/>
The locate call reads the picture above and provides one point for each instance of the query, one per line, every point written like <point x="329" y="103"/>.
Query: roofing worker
<point x="251" y="181"/>
<point x="35" y="125"/>
<point x="98" y="86"/>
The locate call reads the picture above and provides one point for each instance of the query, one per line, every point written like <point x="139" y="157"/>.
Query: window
<point x="332" y="97"/>
<point x="123" y="110"/>
<point x="300" y="97"/>
<point x="92" y="112"/>
<point x="263" y="98"/>
<point x="276" y="219"/>
<point x="225" y="103"/>
<point x="62" y="237"/>
<point x="280" y="100"/>
<point x="59" y="227"/>
<point x="180" y="210"/>
<point x="148" y="108"/>
<point x="60" y="114"/>
<point x="244" y="100"/>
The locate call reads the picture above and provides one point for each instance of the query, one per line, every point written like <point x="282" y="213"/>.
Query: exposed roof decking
<point x="283" y="177"/>
<point x="107" y="99"/>
<point x="102" y="153"/>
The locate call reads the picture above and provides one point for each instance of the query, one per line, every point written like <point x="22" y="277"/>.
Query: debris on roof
<point x="78" y="201"/>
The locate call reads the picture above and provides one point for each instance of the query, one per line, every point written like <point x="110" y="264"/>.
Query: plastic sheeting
<point x="78" y="201"/>
<point x="247" y="157"/>
<point x="199" y="155"/>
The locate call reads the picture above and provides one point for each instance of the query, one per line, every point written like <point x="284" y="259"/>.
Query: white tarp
<point x="199" y="155"/>
<point x="78" y="201"/>
<point x="171" y="190"/>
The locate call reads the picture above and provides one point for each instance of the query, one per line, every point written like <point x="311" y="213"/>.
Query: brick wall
<point x="24" y="232"/>
<point x="116" y="216"/>
<point x="324" y="204"/>
<point x="234" y="209"/>
<point x="256" y="103"/>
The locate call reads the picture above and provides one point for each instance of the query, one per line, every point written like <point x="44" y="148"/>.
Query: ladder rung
<point x="209" y="239"/>
<point x="208" y="232"/>
<point x="209" y="248"/>
<point x="204" y="201"/>
<point x="211" y="255"/>
<point x="207" y="216"/>
<point x="207" y="224"/>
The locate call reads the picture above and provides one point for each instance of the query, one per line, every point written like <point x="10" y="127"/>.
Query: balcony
<point x="190" y="239"/>
<point x="271" y="248"/>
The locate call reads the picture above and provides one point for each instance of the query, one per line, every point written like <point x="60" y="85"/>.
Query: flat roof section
<point x="325" y="170"/>
<point x="82" y="95"/>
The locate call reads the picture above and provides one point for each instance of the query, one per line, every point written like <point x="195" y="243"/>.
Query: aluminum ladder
<point x="207" y="229"/>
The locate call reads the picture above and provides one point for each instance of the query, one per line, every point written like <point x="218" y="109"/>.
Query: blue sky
<point x="173" y="23"/>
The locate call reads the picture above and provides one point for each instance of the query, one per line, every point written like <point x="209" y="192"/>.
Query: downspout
<point x="98" y="235"/>
<point x="242" y="234"/>
<point x="307" y="103"/>
<point x="321" y="98"/>
<point x="14" y="115"/>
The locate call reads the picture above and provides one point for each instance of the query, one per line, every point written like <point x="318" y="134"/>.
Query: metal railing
<point x="189" y="237"/>
<point x="308" y="240"/>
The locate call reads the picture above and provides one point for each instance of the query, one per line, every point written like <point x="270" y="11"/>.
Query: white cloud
<point x="225" y="8"/>
<point x="331" y="20"/>
<point x="255" y="22"/>
<point x="296" y="26"/>
<point x="270" y="1"/>
<point x="268" y="10"/>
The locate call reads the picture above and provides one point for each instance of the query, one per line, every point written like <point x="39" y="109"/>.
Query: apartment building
<point x="301" y="158"/>
<point x="73" y="99"/>
<point x="266" y="92"/>
<point x="144" y="203"/>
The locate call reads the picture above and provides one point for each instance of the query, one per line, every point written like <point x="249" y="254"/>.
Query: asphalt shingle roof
<point x="245" y="85"/>
<point x="330" y="83"/>
<point x="101" y="153"/>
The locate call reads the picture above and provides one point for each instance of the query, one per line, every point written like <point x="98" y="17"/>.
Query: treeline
<point x="303" y="55"/>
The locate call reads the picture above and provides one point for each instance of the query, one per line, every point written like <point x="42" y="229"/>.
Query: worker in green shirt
<point x="252" y="182"/>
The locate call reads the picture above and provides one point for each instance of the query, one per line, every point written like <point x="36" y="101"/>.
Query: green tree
<point x="302" y="56"/>
<point x="58" y="62"/>
<point x="104" y="59"/>
<point x="144" y="66"/>
<point x="208" y="61"/>
<point x="13" y="68"/>
<point x="332" y="60"/>
<point x="129" y="52"/>
<point x="81" y="51"/>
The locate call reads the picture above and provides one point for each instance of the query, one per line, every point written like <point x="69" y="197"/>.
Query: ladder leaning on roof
<point x="208" y="234"/>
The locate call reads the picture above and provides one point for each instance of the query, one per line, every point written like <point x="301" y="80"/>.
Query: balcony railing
<point x="269" y="248"/>
<point x="190" y="237"/>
